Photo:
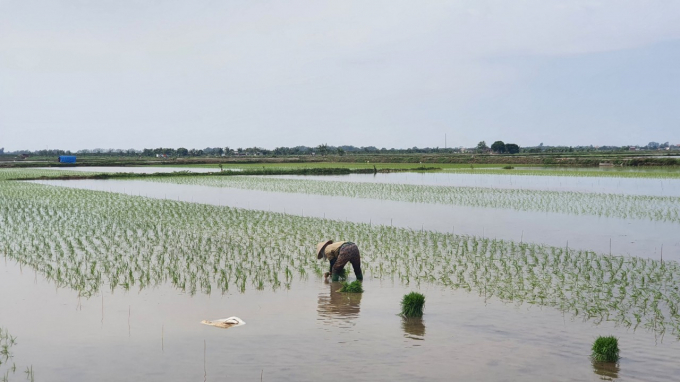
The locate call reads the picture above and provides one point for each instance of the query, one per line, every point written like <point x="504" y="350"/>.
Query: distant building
<point x="67" y="159"/>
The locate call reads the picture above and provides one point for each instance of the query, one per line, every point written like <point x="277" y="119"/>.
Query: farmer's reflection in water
<point x="336" y="308"/>
<point x="414" y="328"/>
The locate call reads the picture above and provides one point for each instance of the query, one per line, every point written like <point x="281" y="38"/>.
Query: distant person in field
<point x="338" y="254"/>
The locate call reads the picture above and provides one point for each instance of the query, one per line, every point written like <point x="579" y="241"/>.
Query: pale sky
<point x="135" y="74"/>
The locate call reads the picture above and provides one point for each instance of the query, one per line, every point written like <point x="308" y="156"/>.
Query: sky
<point x="396" y="74"/>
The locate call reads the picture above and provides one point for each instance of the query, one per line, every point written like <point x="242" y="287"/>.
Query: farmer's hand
<point x="325" y="275"/>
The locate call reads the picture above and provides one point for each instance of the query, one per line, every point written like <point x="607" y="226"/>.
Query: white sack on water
<point x="225" y="323"/>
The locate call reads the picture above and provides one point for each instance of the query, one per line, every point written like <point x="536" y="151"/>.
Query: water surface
<point x="305" y="333"/>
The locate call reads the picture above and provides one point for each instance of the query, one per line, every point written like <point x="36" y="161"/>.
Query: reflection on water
<point x="414" y="328"/>
<point x="338" y="309"/>
<point x="607" y="371"/>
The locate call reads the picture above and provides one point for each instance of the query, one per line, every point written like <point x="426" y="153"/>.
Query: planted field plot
<point x="641" y="172"/>
<point x="30" y="173"/>
<point x="88" y="240"/>
<point x="623" y="186"/>
<point x="635" y="172"/>
<point x="654" y="208"/>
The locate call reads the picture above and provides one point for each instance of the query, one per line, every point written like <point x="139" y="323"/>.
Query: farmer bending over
<point x="339" y="254"/>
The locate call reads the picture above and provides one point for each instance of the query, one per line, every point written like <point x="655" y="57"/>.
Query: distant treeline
<point x="336" y="150"/>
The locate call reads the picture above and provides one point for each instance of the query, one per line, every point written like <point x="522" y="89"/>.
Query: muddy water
<point x="626" y="186"/>
<point x="308" y="333"/>
<point x="628" y="237"/>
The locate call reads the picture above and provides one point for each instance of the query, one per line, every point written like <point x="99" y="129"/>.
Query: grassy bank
<point x="260" y="171"/>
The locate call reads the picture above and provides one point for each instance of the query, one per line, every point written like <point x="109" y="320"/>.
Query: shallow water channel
<point x="308" y="333"/>
<point x="600" y="234"/>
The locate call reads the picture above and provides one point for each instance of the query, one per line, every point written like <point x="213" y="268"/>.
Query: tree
<point x="512" y="148"/>
<point x="481" y="146"/>
<point x="341" y="152"/>
<point x="322" y="149"/>
<point x="498" y="147"/>
<point x="182" y="152"/>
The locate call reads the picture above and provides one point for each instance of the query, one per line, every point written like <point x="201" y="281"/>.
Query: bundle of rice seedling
<point x="412" y="305"/>
<point x="353" y="287"/>
<point x="606" y="349"/>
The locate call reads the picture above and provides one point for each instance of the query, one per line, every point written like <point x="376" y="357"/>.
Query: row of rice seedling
<point x="654" y="208"/>
<point x="31" y="173"/>
<point x="654" y="173"/>
<point x="88" y="240"/>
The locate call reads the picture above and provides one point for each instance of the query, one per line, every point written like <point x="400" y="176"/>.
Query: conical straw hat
<point x="320" y="247"/>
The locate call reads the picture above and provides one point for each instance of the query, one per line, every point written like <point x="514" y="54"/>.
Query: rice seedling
<point x="653" y="208"/>
<point x="606" y="349"/>
<point x="91" y="240"/>
<point x="7" y="365"/>
<point x="660" y="173"/>
<point x="32" y="173"/>
<point x="412" y="305"/>
<point x="353" y="287"/>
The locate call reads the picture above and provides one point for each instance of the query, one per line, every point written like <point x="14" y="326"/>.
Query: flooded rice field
<point x="625" y="186"/>
<point x="126" y="270"/>
<point x="307" y="332"/>
<point x="639" y="237"/>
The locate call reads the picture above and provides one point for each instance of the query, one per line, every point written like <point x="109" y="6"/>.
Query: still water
<point x="308" y="333"/>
